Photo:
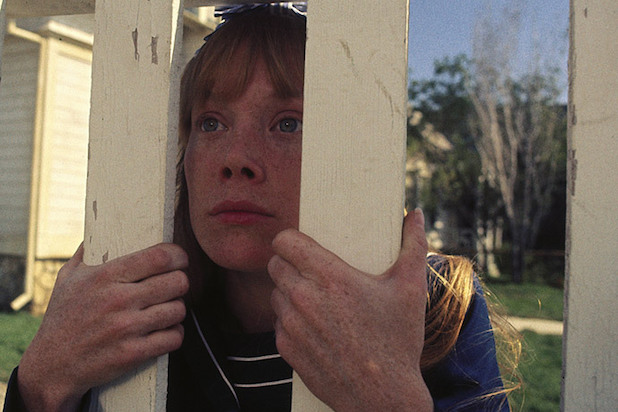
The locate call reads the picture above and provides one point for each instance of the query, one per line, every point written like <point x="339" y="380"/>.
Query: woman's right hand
<point x="103" y="321"/>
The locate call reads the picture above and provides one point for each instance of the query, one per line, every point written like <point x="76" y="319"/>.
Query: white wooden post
<point x="590" y="365"/>
<point x="132" y="153"/>
<point x="2" y="32"/>
<point x="354" y="134"/>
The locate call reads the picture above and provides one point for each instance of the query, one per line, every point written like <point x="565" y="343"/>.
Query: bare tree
<point x="515" y="128"/>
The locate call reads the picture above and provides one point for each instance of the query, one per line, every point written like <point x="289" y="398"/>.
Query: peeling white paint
<point x="591" y="328"/>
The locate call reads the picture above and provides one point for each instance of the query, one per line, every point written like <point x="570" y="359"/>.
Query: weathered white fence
<point x="590" y="359"/>
<point x="355" y="84"/>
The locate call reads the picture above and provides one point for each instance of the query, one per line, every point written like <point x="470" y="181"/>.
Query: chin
<point x="240" y="259"/>
<point x="247" y="266"/>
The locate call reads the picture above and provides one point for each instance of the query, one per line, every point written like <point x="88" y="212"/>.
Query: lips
<point x="239" y="213"/>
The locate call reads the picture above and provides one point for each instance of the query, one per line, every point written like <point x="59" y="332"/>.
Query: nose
<point x="243" y="160"/>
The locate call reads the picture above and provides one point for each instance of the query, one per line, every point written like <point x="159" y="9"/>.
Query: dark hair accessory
<point x="229" y="12"/>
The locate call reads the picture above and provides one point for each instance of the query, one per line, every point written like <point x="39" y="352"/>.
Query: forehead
<point x="258" y="82"/>
<point x="234" y="84"/>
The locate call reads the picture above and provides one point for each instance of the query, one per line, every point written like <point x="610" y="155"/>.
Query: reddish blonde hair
<point x="225" y="64"/>
<point x="450" y="294"/>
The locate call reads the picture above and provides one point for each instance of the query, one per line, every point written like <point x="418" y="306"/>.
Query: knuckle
<point x="276" y="300"/>
<point x="170" y="255"/>
<point x="104" y="273"/>
<point x="122" y="326"/>
<point x="286" y="322"/>
<point x="181" y="280"/>
<point x="167" y="315"/>
<point x="283" y="343"/>
<point x="412" y="290"/>
<point x="131" y="353"/>
<point x="64" y="271"/>
<point x="165" y="341"/>
<point x="279" y="240"/>
<point x="304" y="306"/>
<point x="178" y="251"/>
<point x="277" y="268"/>
<point x="297" y="296"/>
<point x="285" y="239"/>
<point x="176" y="336"/>
<point x="168" y="286"/>
<point x="161" y="256"/>
<point x="178" y="311"/>
<point x="119" y="299"/>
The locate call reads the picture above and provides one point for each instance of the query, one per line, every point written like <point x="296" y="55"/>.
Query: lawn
<point x="541" y="371"/>
<point x="529" y="300"/>
<point x="16" y="332"/>
<point x="541" y="363"/>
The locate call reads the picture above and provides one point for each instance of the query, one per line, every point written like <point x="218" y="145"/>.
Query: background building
<point x="44" y="114"/>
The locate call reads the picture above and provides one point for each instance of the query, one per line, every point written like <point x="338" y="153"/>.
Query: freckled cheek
<point x="290" y="190"/>
<point x="196" y="164"/>
<point x="190" y="159"/>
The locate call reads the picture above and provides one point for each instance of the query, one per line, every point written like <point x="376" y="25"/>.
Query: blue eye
<point x="209" y="125"/>
<point x="290" y="125"/>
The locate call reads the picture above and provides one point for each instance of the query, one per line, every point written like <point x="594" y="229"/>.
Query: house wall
<point x="63" y="165"/>
<point x="81" y="22"/>
<point x="64" y="151"/>
<point x="44" y="115"/>
<point x="18" y="93"/>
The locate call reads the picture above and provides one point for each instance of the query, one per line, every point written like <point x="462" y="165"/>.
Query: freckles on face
<point x="242" y="166"/>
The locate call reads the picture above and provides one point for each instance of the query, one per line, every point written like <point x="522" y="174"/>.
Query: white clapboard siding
<point x="64" y="151"/>
<point x="25" y="8"/>
<point x="2" y="31"/>
<point x="28" y="8"/>
<point x="18" y="93"/>
<point x="591" y="333"/>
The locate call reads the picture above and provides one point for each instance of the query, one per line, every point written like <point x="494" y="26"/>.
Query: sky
<point x="440" y="28"/>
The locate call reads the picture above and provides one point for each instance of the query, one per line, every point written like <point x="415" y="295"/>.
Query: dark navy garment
<point x="457" y="383"/>
<point x="226" y="372"/>
<point x="13" y="401"/>
<point x="470" y="371"/>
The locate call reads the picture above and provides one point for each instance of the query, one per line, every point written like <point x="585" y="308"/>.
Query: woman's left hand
<point x="354" y="339"/>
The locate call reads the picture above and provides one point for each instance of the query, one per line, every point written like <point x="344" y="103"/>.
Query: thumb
<point x="71" y="264"/>
<point x="303" y="252"/>
<point x="413" y="252"/>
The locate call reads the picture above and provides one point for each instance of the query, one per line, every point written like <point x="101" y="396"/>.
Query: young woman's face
<point x="242" y="166"/>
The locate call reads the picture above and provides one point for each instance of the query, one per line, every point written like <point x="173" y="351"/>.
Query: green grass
<point x="16" y="332"/>
<point x="529" y="300"/>
<point x="541" y="363"/>
<point x="541" y="370"/>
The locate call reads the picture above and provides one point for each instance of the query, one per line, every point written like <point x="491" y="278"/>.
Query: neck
<point x="248" y="297"/>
